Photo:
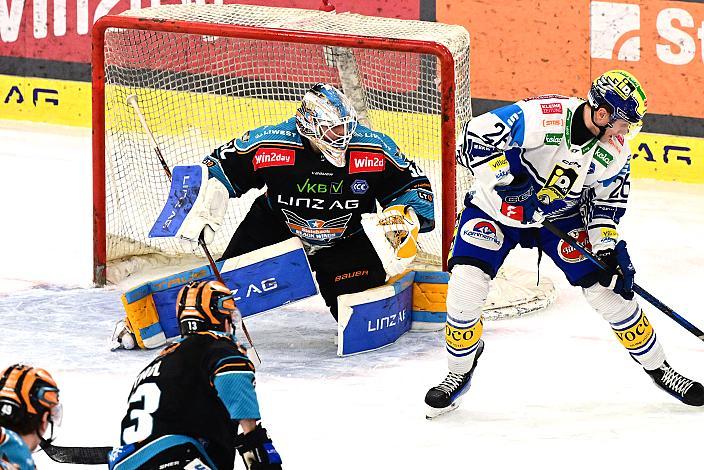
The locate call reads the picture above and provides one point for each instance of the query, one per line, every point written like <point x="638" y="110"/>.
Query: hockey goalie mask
<point x="205" y="306"/>
<point x="327" y="118"/>
<point x="26" y="393"/>
<point x="622" y="95"/>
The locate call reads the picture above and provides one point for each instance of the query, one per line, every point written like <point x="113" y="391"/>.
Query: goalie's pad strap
<point x="261" y="280"/>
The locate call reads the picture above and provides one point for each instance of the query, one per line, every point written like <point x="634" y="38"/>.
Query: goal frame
<point x="446" y="89"/>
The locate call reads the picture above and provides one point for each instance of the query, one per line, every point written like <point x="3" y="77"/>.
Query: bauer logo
<point x="551" y="108"/>
<point x="482" y="233"/>
<point x="267" y="157"/>
<point x="366" y="162"/>
<point x="568" y="253"/>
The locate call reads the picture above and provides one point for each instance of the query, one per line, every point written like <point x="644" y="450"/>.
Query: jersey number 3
<point x="150" y="394"/>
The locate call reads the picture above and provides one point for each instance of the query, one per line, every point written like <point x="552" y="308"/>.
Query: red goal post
<point x="181" y="60"/>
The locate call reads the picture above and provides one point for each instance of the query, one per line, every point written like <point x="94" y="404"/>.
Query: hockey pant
<point x="479" y="249"/>
<point x="166" y="452"/>
<point x="351" y="265"/>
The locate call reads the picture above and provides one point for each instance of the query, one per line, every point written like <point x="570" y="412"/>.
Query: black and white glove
<point x="257" y="450"/>
<point x="621" y="274"/>
<point x="518" y="199"/>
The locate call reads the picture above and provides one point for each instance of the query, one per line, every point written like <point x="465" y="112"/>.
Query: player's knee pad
<point x="466" y="293"/>
<point x="613" y="307"/>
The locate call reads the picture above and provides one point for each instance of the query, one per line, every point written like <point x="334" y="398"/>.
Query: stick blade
<point x="77" y="455"/>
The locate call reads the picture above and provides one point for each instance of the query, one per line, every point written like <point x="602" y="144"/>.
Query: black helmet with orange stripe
<point x="205" y="306"/>
<point x="26" y="394"/>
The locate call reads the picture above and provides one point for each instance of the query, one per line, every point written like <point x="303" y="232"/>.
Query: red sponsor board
<point x="60" y="29"/>
<point x="268" y="157"/>
<point x="366" y="162"/>
<point x="551" y="108"/>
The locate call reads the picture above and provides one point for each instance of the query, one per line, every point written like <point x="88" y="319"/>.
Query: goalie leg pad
<point x="261" y="280"/>
<point x="467" y="291"/>
<point x="631" y="326"/>
<point x="429" y="300"/>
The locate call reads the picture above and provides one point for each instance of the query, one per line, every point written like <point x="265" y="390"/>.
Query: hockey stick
<point x="132" y="101"/>
<point x="76" y="455"/>
<point x="636" y="288"/>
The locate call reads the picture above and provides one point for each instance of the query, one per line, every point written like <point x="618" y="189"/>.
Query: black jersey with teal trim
<point x="321" y="203"/>
<point x="176" y="394"/>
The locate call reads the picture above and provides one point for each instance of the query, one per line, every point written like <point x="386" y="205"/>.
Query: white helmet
<point x="323" y="109"/>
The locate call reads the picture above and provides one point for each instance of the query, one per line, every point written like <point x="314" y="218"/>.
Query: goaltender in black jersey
<point x="186" y="406"/>
<point x="322" y="170"/>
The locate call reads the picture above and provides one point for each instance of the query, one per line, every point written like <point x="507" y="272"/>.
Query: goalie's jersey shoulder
<point x="368" y="140"/>
<point x="365" y="138"/>
<point x="283" y="133"/>
<point x="13" y="450"/>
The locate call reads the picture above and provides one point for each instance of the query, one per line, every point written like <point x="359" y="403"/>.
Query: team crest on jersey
<point x="482" y="233"/>
<point x="316" y="231"/>
<point x="366" y="162"/>
<point x="269" y="156"/>
<point x="558" y="185"/>
<point x="568" y="253"/>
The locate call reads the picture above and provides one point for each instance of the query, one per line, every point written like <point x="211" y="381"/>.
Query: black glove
<point x="257" y="450"/>
<point x="518" y="200"/>
<point x="616" y="259"/>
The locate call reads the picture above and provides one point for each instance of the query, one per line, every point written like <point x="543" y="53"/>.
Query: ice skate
<point x="685" y="390"/>
<point x="443" y="398"/>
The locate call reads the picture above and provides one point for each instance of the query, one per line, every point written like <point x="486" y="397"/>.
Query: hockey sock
<point x="630" y="324"/>
<point x="467" y="291"/>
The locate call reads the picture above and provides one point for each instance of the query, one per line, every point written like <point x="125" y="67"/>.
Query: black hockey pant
<point x="351" y="265"/>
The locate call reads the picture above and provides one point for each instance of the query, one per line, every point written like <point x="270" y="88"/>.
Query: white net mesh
<point x="199" y="91"/>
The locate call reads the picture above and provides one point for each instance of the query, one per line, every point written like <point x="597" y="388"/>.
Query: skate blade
<point x="432" y="413"/>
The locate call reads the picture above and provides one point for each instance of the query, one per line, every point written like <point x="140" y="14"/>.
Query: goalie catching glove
<point x="394" y="235"/>
<point x="257" y="450"/>
<point x="196" y="204"/>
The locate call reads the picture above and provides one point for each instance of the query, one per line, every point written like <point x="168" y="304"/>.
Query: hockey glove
<point x="518" y="199"/>
<point x="620" y="276"/>
<point x="257" y="450"/>
<point x="394" y="235"/>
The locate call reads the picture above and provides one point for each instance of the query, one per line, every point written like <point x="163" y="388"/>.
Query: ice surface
<point x="553" y="390"/>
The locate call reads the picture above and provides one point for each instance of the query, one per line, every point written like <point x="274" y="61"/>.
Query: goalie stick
<point x="76" y="455"/>
<point x="636" y="288"/>
<point x="132" y="101"/>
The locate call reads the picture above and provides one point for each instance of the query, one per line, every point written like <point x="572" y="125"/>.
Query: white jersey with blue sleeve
<point x="533" y="137"/>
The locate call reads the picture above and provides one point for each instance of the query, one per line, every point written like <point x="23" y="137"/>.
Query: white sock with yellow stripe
<point x="467" y="290"/>
<point x="632" y="327"/>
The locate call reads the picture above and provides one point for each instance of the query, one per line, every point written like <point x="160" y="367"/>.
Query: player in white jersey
<point x="567" y="159"/>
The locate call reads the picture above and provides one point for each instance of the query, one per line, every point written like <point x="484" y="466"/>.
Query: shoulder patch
<point x="282" y="133"/>
<point x="602" y="156"/>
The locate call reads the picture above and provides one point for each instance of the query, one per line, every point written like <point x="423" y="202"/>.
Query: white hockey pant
<point x="630" y="324"/>
<point x="467" y="291"/>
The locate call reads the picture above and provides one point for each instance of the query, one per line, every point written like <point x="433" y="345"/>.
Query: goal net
<point x="205" y="74"/>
